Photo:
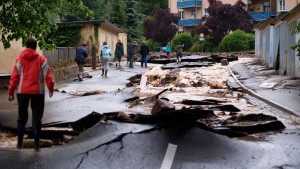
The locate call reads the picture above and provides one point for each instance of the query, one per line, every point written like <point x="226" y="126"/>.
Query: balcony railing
<point x="189" y="22"/>
<point x="260" y="16"/>
<point x="189" y="4"/>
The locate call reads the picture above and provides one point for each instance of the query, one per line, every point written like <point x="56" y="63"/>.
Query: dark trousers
<point x="131" y="60"/>
<point x="37" y="102"/>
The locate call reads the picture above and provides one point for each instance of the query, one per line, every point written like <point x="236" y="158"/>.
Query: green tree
<point x="296" y="30"/>
<point x="117" y="13"/>
<point x="132" y="19"/>
<point x="224" y="18"/>
<point x="23" y="19"/>
<point x="162" y="27"/>
<point x="148" y="7"/>
<point x="97" y="6"/>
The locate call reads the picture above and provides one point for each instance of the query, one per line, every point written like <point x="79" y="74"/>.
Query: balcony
<point x="189" y="4"/>
<point x="260" y="16"/>
<point x="189" y="22"/>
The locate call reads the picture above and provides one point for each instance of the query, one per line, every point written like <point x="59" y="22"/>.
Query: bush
<point x="196" y="47"/>
<point x="209" y="44"/>
<point x="183" y="38"/>
<point x="237" y="41"/>
<point x="152" y="44"/>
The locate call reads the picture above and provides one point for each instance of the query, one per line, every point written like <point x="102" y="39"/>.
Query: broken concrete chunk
<point x="162" y="105"/>
<point x="257" y="127"/>
<point x="224" y="62"/>
<point x="252" y="117"/>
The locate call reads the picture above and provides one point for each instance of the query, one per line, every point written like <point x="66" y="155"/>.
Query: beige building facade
<point x="94" y="33"/>
<point x="8" y="56"/>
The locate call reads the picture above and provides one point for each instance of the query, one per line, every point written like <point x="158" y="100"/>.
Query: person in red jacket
<point x="28" y="78"/>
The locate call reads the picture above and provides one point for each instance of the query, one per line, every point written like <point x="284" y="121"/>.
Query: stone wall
<point x="64" y="73"/>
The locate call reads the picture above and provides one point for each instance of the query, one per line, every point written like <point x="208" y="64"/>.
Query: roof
<point x="280" y="16"/>
<point x="100" y="22"/>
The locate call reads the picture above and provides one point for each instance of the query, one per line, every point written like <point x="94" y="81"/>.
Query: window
<point x="266" y="7"/>
<point x="193" y="14"/>
<point x="281" y="5"/>
<point x="180" y="14"/>
<point x="205" y="12"/>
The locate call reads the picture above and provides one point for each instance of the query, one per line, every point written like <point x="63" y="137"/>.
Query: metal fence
<point x="60" y="54"/>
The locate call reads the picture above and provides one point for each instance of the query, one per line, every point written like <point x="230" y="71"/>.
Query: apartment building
<point x="261" y="10"/>
<point x="191" y="11"/>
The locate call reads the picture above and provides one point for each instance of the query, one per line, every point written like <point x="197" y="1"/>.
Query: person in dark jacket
<point x="179" y="50"/>
<point x="131" y="51"/>
<point x="29" y="76"/>
<point x="81" y="55"/>
<point x="119" y="52"/>
<point x="144" y="51"/>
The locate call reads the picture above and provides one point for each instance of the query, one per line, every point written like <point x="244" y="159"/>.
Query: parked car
<point x="159" y="49"/>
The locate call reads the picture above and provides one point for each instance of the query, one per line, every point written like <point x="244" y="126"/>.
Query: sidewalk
<point x="282" y="92"/>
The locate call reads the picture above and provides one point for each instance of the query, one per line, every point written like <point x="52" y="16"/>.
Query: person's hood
<point x="105" y="47"/>
<point x="29" y="54"/>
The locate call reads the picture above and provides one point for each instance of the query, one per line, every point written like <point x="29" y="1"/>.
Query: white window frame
<point x="206" y="12"/>
<point x="180" y="14"/>
<point x="281" y="5"/>
<point x="193" y="14"/>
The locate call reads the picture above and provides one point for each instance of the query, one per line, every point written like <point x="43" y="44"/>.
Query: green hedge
<point x="237" y="41"/>
<point x="183" y="38"/>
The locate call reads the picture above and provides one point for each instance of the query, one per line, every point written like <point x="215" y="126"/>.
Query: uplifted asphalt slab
<point x="65" y="106"/>
<point x="123" y="145"/>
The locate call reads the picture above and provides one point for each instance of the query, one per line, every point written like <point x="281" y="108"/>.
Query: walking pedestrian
<point x="119" y="52"/>
<point x="179" y="51"/>
<point x="29" y="76"/>
<point x="104" y="56"/>
<point x="168" y="50"/>
<point x="131" y="51"/>
<point x="80" y="59"/>
<point x="144" y="51"/>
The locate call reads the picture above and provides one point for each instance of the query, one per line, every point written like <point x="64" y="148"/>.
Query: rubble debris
<point x="29" y="143"/>
<point x="153" y="99"/>
<point x="134" y="80"/>
<point x="171" y="77"/>
<point x="224" y="62"/>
